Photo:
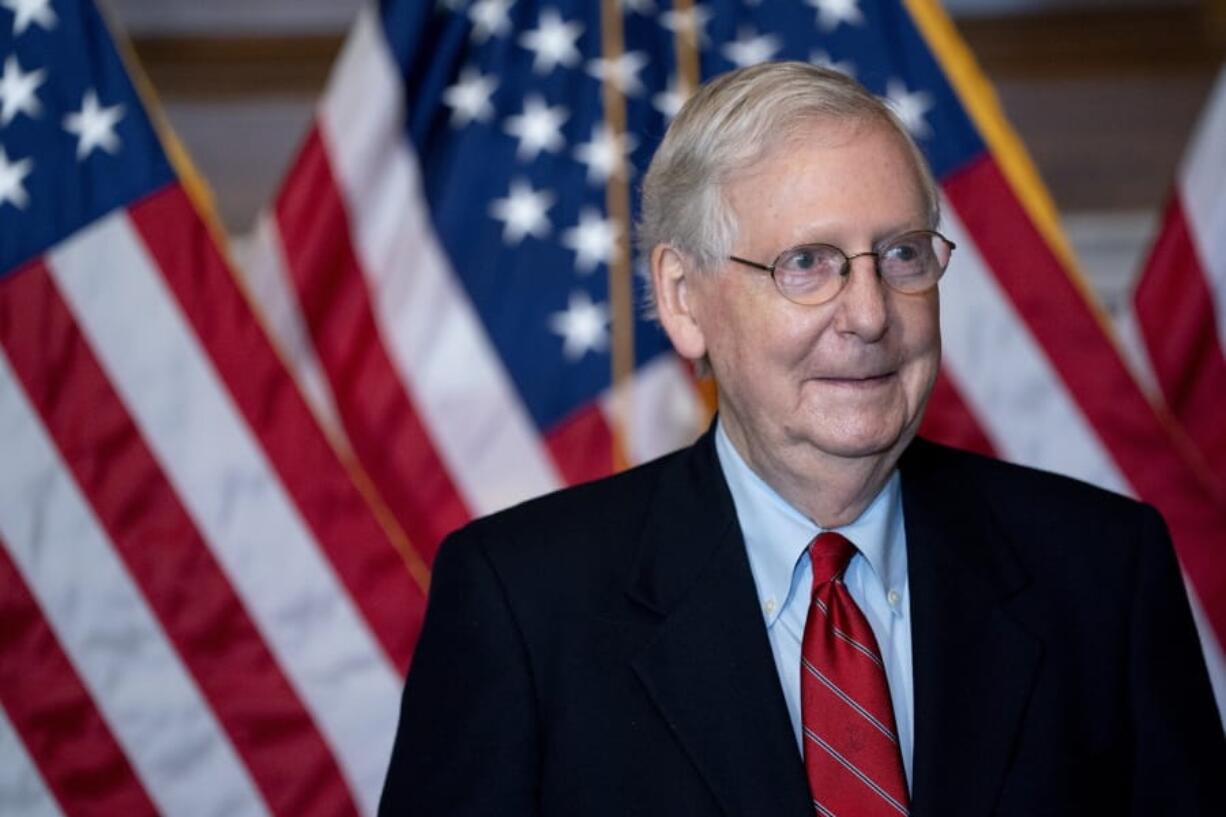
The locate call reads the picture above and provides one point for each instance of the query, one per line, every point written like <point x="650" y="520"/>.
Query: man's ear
<point x="671" y="274"/>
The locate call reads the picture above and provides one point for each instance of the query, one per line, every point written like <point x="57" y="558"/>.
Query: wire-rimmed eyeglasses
<point x="812" y="274"/>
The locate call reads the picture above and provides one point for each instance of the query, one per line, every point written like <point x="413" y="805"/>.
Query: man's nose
<point x="862" y="303"/>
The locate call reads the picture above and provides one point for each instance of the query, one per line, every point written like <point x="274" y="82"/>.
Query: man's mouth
<point x="865" y="380"/>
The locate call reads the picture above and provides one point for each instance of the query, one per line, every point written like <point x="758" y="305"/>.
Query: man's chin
<point x="861" y="443"/>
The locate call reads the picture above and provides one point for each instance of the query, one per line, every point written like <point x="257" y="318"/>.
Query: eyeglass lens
<point x="813" y="273"/>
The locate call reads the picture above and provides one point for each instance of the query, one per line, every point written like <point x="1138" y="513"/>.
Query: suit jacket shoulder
<point x="1056" y="665"/>
<point x="568" y="531"/>
<point x="1050" y="524"/>
<point x="1011" y="487"/>
<point x="605" y="623"/>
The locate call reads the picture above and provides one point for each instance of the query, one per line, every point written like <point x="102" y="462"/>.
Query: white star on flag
<point x="538" y="128"/>
<point x="622" y="71"/>
<point x="30" y="11"/>
<point x="639" y="6"/>
<point x="750" y="49"/>
<point x="490" y="19"/>
<point x="606" y="154"/>
<point x="17" y="91"/>
<point x="822" y="59"/>
<point x="910" y="106"/>
<point x="669" y="101"/>
<point x="12" y="174"/>
<point x="693" y="19"/>
<point x="553" y="42"/>
<point x="469" y="98"/>
<point x="523" y="212"/>
<point x="94" y="126"/>
<point x="583" y="325"/>
<point x="830" y="13"/>
<point x="593" y="240"/>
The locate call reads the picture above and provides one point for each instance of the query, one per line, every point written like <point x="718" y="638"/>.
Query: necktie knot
<point x="829" y="553"/>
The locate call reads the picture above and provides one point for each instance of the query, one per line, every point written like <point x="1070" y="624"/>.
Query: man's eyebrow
<point x="908" y="227"/>
<point x="827" y="234"/>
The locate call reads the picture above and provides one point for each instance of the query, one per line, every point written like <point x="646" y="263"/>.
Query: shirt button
<point x="893" y="598"/>
<point x="769" y="607"/>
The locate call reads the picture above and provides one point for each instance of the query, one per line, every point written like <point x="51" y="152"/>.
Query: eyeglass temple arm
<point x="754" y="264"/>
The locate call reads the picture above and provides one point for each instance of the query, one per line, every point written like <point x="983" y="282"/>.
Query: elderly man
<point x="808" y="611"/>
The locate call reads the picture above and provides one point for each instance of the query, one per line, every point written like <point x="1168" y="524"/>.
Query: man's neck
<point x="831" y="490"/>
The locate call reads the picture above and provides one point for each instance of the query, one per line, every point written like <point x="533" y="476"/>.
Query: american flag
<point x="1179" y="305"/>
<point x="201" y="612"/>
<point x="1176" y="328"/>
<point x="207" y="601"/>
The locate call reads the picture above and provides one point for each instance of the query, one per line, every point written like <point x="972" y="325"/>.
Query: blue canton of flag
<point x="74" y="139"/>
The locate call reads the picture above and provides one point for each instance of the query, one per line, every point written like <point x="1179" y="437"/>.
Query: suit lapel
<point x="709" y="667"/>
<point x="973" y="666"/>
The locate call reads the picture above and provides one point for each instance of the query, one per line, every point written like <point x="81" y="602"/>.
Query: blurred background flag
<point x="1180" y="299"/>
<point x="207" y="601"/>
<point x="447" y="261"/>
<point x="1176" y="330"/>
<point x="199" y="611"/>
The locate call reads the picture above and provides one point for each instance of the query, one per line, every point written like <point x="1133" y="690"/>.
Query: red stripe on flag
<point x="388" y="434"/>
<point x="163" y="550"/>
<point x="65" y="735"/>
<point x="339" y="518"/>
<point x="582" y="445"/>
<point x="948" y="420"/>
<point x="1058" y="315"/>
<point x="1174" y="307"/>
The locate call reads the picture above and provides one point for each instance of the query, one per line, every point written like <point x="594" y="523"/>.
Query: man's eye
<point x="801" y="259"/>
<point x="904" y="252"/>
<point x="809" y="259"/>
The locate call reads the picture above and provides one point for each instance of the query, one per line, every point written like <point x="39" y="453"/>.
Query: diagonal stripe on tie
<point x="851" y="750"/>
<point x="822" y="810"/>
<point x="852" y="672"/>
<point x="847" y="699"/>
<point x="861" y="745"/>
<point x="847" y="638"/>
<point x="870" y="795"/>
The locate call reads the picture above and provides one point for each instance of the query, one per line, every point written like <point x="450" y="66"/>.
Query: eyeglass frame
<point x="845" y="272"/>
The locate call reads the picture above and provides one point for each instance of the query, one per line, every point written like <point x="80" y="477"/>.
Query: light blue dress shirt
<point x="777" y="537"/>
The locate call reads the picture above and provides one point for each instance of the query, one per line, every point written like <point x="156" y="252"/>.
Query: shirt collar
<point x="777" y="534"/>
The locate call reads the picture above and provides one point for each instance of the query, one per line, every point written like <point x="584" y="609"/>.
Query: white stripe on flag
<point x="1215" y="660"/>
<point x="1005" y="377"/>
<point x="261" y="260"/>
<point x="1202" y="189"/>
<point x="22" y="790"/>
<point x="659" y="408"/>
<point x="228" y="487"/>
<point x="1136" y="353"/>
<point x="434" y="336"/>
<point x="101" y="619"/>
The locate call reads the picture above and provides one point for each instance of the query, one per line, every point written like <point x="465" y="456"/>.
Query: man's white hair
<point x="729" y="125"/>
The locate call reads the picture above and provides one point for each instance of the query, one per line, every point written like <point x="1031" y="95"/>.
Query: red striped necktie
<point x="851" y="749"/>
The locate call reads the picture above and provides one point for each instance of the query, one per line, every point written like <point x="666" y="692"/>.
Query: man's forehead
<point x="813" y="139"/>
<point x="809" y="144"/>
<point x="819" y="148"/>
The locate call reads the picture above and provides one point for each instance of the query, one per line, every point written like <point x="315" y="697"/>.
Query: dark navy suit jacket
<point x="600" y="651"/>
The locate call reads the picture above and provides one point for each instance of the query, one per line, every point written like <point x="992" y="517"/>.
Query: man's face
<point x="847" y="378"/>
